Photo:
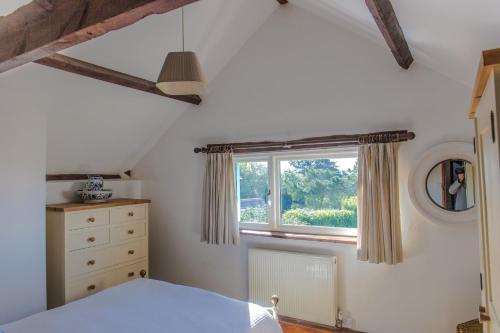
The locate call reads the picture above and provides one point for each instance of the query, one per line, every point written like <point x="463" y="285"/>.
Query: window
<point x="253" y="191"/>
<point x="308" y="192"/>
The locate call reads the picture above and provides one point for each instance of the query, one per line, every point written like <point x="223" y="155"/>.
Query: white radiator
<point x="305" y="283"/>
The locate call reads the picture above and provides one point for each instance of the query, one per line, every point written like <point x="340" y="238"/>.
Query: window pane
<point x="319" y="192"/>
<point x="253" y="192"/>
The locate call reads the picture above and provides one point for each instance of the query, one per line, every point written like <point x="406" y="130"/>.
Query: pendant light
<point x="181" y="73"/>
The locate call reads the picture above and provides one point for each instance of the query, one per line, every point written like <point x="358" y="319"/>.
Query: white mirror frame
<point x="418" y="178"/>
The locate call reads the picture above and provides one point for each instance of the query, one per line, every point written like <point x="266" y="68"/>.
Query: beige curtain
<point x="379" y="230"/>
<point x="220" y="222"/>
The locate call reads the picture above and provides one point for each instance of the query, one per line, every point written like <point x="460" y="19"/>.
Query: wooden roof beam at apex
<point x="388" y="23"/>
<point x="44" y="27"/>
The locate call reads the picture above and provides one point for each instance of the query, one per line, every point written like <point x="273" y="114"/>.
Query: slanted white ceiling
<point x="94" y="126"/>
<point x="8" y="6"/>
<point x="445" y="35"/>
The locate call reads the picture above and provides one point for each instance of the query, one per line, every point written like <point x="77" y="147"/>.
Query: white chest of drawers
<point x="91" y="247"/>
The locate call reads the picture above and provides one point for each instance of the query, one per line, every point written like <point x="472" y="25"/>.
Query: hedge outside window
<point x="309" y="192"/>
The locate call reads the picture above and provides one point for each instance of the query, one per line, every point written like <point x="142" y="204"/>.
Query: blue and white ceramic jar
<point x="92" y="190"/>
<point x="94" y="183"/>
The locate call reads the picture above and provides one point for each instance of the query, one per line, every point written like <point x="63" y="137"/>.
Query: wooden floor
<point x="289" y="327"/>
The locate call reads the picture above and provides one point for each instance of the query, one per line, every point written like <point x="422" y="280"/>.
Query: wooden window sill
<point x="298" y="236"/>
<point x="291" y="325"/>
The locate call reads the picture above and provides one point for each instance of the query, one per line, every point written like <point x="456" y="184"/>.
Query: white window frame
<point x="255" y="158"/>
<point x="273" y="160"/>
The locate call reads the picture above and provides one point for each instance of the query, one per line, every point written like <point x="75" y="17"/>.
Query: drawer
<point x="87" y="261"/>
<point x="90" y="285"/>
<point x="129" y="273"/>
<point x="128" y="231"/>
<point x="88" y="238"/>
<point x="88" y="218"/>
<point x="127" y="213"/>
<point x="85" y="287"/>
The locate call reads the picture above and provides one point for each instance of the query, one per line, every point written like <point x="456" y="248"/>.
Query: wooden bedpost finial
<point x="274" y="310"/>
<point x="275" y="299"/>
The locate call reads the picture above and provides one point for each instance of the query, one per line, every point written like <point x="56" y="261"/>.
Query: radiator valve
<point x="340" y="318"/>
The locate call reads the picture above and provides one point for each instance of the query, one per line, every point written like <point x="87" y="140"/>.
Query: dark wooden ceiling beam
<point x="386" y="20"/>
<point x="44" y="27"/>
<point x="77" y="176"/>
<point x="80" y="67"/>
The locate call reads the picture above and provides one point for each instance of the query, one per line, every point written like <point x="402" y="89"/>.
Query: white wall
<point x="300" y="76"/>
<point x="66" y="123"/>
<point x="97" y="127"/>
<point x="22" y="197"/>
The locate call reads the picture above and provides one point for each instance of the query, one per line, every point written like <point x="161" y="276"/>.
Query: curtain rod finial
<point x="411" y="135"/>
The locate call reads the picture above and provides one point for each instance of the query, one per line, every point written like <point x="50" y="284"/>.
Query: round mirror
<point x="433" y="186"/>
<point x="450" y="185"/>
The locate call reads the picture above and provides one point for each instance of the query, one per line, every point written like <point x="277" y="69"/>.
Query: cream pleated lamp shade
<point x="181" y="75"/>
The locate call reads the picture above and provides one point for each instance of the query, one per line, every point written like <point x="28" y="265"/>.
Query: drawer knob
<point x="130" y="214"/>
<point x="131" y="232"/>
<point x="91" y="287"/>
<point x="91" y="239"/>
<point x="91" y="262"/>
<point x="131" y="274"/>
<point x="143" y="273"/>
<point x="131" y="252"/>
<point x="91" y="219"/>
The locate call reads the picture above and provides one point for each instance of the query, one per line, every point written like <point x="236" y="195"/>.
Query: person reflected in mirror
<point x="458" y="190"/>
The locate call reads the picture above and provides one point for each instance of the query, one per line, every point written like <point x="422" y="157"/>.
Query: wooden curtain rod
<point x="309" y="143"/>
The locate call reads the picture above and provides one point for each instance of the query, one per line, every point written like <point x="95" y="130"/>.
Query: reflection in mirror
<point x="450" y="185"/>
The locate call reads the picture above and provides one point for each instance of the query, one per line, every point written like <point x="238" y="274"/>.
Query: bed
<point x="150" y="306"/>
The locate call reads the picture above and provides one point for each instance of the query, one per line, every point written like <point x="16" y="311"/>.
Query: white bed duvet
<point x="150" y="306"/>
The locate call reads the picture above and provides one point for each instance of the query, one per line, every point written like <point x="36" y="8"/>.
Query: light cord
<point x="182" y="29"/>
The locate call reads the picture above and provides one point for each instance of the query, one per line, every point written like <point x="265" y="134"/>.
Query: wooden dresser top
<point x="73" y="207"/>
